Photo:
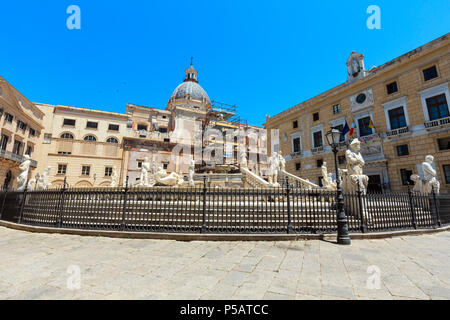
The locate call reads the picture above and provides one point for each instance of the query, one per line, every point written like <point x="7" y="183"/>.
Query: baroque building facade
<point x="84" y="146"/>
<point x="400" y="114"/>
<point x="21" y="126"/>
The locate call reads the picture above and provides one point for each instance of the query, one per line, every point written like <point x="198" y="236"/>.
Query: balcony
<point x="317" y="149"/>
<point x="151" y="135"/>
<point x="397" y="132"/>
<point x="437" y="123"/>
<point x="15" y="157"/>
<point x="296" y="155"/>
<point x="370" y="137"/>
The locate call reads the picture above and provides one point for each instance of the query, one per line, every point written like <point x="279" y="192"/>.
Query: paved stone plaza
<point x="43" y="266"/>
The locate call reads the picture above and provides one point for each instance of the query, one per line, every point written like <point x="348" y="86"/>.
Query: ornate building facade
<point x="21" y="125"/>
<point x="400" y="113"/>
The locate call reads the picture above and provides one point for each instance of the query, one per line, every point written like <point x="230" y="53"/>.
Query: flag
<point x="346" y="129"/>
<point x="352" y="129"/>
<point x="371" y="125"/>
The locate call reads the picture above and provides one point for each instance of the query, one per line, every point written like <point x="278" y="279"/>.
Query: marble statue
<point x="192" y="172"/>
<point x="24" y="167"/>
<point x="144" y="178"/>
<point x="43" y="183"/>
<point x="114" y="178"/>
<point x="429" y="175"/>
<point x="353" y="175"/>
<point x="282" y="162"/>
<point x="328" y="182"/>
<point x="418" y="184"/>
<point x="274" y="167"/>
<point x="244" y="163"/>
<point x="173" y="179"/>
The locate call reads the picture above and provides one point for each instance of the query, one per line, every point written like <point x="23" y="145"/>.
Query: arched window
<point x="90" y="138"/>
<point x="112" y="140"/>
<point x="67" y="136"/>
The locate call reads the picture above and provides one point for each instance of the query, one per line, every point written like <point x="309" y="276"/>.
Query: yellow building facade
<point x="81" y="145"/>
<point x="400" y="112"/>
<point x="21" y="125"/>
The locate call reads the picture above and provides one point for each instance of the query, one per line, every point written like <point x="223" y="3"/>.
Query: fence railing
<point x="221" y="210"/>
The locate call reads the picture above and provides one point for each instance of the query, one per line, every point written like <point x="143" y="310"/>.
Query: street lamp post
<point x="333" y="137"/>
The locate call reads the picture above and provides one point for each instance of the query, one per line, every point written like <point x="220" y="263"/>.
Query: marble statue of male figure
<point x="144" y="173"/>
<point x="430" y="177"/>
<point x="114" y="178"/>
<point x="282" y="161"/>
<point x="24" y="167"/>
<point x="191" y="172"/>
<point x="355" y="165"/>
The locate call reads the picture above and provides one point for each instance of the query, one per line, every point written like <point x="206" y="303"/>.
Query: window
<point x="337" y="109"/>
<point x="406" y="177"/>
<point x="142" y="127"/>
<point x="108" y="171"/>
<point x="69" y="122"/>
<point x="64" y="136"/>
<point x="392" y="87"/>
<point x="165" y="166"/>
<point x="32" y="132"/>
<point x="162" y="130"/>
<point x="47" y="138"/>
<point x="397" y="118"/>
<point x="113" y="127"/>
<point x="139" y="164"/>
<point x="364" y="129"/>
<point x="315" y="116"/>
<point x="295" y="124"/>
<point x="17" y="149"/>
<point x="444" y="143"/>
<point x="85" y="170"/>
<point x="430" y="73"/>
<point x="298" y="166"/>
<point x="112" y="140"/>
<point x="447" y="173"/>
<point x="437" y="107"/>
<point x="62" y="168"/>
<point x="402" y="150"/>
<point x="8" y="117"/>
<point x="296" y="145"/>
<point x="319" y="163"/>
<point x="90" y="138"/>
<point x="21" y="125"/>
<point x="92" y="125"/>
<point x="317" y="137"/>
<point x="341" y="159"/>
<point x="29" y="150"/>
<point x="4" y="142"/>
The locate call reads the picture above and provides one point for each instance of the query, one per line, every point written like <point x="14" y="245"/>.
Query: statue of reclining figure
<point x="173" y="179"/>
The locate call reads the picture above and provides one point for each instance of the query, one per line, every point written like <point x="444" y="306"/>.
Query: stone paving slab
<point x="46" y="266"/>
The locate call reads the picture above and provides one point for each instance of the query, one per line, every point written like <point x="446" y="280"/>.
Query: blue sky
<point x="263" y="56"/>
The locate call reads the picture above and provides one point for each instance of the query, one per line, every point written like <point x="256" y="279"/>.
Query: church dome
<point x="190" y="91"/>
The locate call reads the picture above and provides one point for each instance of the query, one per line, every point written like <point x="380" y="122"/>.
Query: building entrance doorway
<point x="374" y="184"/>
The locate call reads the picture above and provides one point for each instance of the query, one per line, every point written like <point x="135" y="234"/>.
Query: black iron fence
<point x="221" y="210"/>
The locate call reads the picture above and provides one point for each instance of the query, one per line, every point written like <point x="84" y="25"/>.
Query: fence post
<point x="289" y="226"/>
<point x="204" y="206"/>
<point x="61" y="204"/>
<point x="413" y="214"/>
<point x="361" y="210"/>
<point x="3" y="203"/>
<point x="436" y="216"/>
<point x="22" y="206"/>
<point x="124" y="209"/>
